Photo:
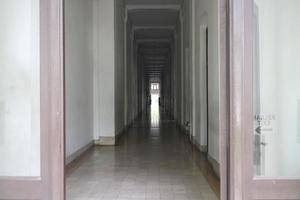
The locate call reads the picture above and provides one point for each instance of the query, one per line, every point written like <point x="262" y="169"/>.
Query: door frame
<point x="53" y="42"/>
<point x="50" y="184"/>
<point x="224" y="103"/>
<point x="238" y="103"/>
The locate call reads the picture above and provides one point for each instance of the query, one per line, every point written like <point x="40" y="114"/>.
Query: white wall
<point x="94" y="72"/>
<point x="104" y="50"/>
<point x="19" y="88"/>
<point x="187" y="64"/>
<point x="79" y="74"/>
<point x="119" y="65"/>
<point x="181" y="45"/>
<point x="206" y="15"/>
<point x="190" y="65"/>
<point x="131" y="76"/>
<point x="179" y="73"/>
<point x="109" y="68"/>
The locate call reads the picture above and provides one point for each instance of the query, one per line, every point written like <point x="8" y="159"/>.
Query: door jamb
<point x="52" y="31"/>
<point x="225" y="97"/>
<point x="236" y="64"/>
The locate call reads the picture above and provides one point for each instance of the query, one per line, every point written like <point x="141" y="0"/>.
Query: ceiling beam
<point x="168" y="41"/>
<point x="136" y="28"/>
<point x="174" y="7"/>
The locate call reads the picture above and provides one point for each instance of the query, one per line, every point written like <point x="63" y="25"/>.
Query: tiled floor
<point x="149" y="163"/>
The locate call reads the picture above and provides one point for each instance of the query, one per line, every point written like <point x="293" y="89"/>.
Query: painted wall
<point x="104" y="66"/>
<point x="131" y="76"/>
<point x="94" y="72"/>
<point x="178" y="65"/>
<point x="187" y="64"/>
<point x="206" y="15"/>
<point x="79" y="74"/>
<point x="119" y="65"/>
<point x="109" y="66"/>
<point x="142" y="88"/>
<point x="167" y="86"/>
<point x="190" y="72"/>
<point x="132" y="86"/>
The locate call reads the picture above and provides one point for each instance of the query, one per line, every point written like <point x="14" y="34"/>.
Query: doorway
<point x="155" y="104"/>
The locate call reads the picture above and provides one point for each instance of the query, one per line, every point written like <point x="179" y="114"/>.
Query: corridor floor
<point x="151" y="161"/>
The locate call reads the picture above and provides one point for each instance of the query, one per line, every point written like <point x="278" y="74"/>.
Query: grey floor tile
<point x="147" y="164"/>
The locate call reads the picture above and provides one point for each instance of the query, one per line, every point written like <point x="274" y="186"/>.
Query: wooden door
<point x="31" y="100"/>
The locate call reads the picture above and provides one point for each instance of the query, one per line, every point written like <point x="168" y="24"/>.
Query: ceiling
<point x="155" y="58"/>
<point x="153" y="2"/>
<point x="153" y="34"/>
<point x="154" y="30"/>
<point x="153" y="17"/>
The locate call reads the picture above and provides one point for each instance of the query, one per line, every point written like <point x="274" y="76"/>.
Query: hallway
<point x="149" y="162"/>
<point x="122" y="56"/>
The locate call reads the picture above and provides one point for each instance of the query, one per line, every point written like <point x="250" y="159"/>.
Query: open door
<point x="31" y="100"/>
<point x="265" y="46"/>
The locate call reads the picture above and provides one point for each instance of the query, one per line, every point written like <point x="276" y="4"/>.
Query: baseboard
<point x="202" y="148"/>
<point x="78" y="153"/>
<point x="215" y="165"/>
<point x="111" y="140"/>
<point x="181" y="127"/>
<point x="106" y="141"/>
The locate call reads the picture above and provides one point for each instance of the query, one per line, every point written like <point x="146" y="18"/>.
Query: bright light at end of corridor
<point x="154" y="109"/>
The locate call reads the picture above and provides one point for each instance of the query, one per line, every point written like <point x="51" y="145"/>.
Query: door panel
<point x="20" y="88"/>
<point x="31" y="100"/>
<point x="276" y="39"/>
<point x="272" y="93"/>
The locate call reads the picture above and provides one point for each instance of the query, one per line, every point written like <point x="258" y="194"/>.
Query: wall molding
<point x="105" y="141"/>
<point x="112" y="140"/>
<point x="102" y="141"/>
<point x="215" y="164"/>
<point x="202" y="148"/>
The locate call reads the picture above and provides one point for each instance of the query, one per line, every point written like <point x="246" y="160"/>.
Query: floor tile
<point x="146" y="164"/>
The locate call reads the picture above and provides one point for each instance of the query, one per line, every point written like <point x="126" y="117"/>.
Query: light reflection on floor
<point x="155" y="110"/>
<point x="146" y="164"/>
